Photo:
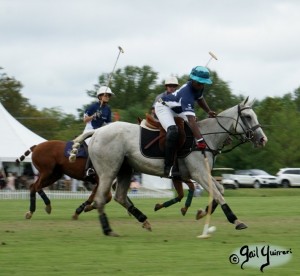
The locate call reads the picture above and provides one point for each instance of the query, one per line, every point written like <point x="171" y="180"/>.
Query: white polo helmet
<point x="171" y="80"/>
<point x="104" y="89"/>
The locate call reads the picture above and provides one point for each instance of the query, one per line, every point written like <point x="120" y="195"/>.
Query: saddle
<point x="153" y="137"/>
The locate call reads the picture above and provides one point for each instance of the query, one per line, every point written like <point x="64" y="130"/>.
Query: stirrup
<point x="90" y="172"/>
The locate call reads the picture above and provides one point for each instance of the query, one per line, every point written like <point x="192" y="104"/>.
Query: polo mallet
<point x="113" y="70"/>
<point x="212" y="56"/>
<point x="205" y="234"/>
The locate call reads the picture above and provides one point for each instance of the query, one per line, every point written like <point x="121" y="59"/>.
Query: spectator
<point x="11" y="182"/>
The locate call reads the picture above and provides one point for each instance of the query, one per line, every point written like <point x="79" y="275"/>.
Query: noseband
<point x="247" y="129"/>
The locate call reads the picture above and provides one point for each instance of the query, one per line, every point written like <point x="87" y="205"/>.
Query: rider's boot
<point x="171" y="170"/>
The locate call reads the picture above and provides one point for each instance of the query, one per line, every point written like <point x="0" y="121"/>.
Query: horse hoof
<point x="241" y="226"/>
<point x="200" y="214"/>
<point x="157" y="207"/>
<point x="147" y="225"/>
<point x="48" y="209"/>
<point x="112" y="234"/>
<point x="75" y="216"/>
<point x="183" y="211"/>
<point x="28" y="215"/>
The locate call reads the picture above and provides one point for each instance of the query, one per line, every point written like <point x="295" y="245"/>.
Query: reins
<point x="248" y="131"/>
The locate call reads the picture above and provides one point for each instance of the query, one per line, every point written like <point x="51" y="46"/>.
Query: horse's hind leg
<point x="32" y="206"/>
<point x="46" y="200"/>
<point x="121" y="197"/>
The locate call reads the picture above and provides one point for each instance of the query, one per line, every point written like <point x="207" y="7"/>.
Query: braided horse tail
<point x="26" y="153"/>
<point x="77" y="142"/>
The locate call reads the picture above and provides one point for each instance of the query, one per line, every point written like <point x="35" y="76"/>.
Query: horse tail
<point x="26" y="153"/>
<point x="76" y="144"/>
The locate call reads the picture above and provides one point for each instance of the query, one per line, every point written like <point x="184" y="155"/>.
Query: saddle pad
<point x="81" y="150"/>
<point x="154" y="150"/>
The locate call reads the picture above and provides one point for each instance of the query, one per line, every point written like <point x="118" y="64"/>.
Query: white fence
<point x="142" y="193"/>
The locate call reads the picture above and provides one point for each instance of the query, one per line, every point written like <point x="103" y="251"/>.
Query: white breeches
<point x="166" y="115"/>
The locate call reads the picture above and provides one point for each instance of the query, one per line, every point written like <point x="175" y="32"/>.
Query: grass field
<point x="56" y="245"/>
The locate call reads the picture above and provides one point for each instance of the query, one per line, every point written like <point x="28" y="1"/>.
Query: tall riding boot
<point x="170" y="149"/>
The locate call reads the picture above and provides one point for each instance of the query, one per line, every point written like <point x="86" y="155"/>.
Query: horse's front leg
<point x="87" y="205"/>
<point x="210" y="186"/>
<point x="177" y="183"/>
<point x="189" y="197"/>
<point x="214" y="204"/>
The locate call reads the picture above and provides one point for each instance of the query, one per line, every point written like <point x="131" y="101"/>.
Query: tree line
<point x="136" y="88"/>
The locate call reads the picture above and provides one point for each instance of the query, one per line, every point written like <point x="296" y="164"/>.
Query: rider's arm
<point x="203" y="104"/>
<point x="194" y="127"/>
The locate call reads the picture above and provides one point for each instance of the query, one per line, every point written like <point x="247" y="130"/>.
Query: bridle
<point x="245" y="136"/>
<point x="249" y="131"/>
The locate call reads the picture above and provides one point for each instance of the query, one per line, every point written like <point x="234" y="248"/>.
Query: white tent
<point x="15" y="138"/>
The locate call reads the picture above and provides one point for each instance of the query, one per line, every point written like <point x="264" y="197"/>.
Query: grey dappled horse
<point x="115" y="151"/>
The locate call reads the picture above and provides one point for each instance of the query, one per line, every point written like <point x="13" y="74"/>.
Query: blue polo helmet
<point x="200" y="74"/>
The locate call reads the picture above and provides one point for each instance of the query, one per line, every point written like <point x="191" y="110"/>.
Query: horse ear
<point x="251" y="103"/>
<point x="245" y="101"/>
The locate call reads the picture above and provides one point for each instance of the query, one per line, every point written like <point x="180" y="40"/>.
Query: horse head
<point x="247" y="124"/>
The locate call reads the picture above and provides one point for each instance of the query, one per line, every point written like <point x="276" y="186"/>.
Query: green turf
<point x="56" y="245"/>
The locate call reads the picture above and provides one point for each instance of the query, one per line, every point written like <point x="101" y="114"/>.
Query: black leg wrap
<point x="44" y="197"/>
<point x="229" y="214"/>
<point x="32" y="207"/>
<point x="105" y="224"/>
<point x="137" y="213"/>
<point x="80" y="209"/>
<point x="213" y="207"/>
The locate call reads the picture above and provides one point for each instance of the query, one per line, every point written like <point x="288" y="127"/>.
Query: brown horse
<point x="49" y="159"/>
<point x="51" y="162"/>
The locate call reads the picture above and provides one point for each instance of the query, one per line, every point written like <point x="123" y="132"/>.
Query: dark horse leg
<point x="32" y="206"/>
<point x="231" y="217"/>
<point x="88" y="204"/>
<point x="180" y="194"/>
<point x="124" y="177"/>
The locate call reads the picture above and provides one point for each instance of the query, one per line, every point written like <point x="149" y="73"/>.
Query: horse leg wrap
<point x="213" y="207"/>
<point x="44" y="197"/>
<point x="81" y="207"/>
<point x="171" y="202"/>
<point x="32" y="207"/>
<point x="229" y="214"/>
<point x="105" y="224"/>
<point x="189" y="198"/>
<point x="137" y="213"/>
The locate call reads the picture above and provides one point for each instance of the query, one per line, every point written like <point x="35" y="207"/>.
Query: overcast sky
<point x="58" y="48"/>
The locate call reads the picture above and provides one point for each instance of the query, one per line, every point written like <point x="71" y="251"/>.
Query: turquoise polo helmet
<point x="200" y="74"/>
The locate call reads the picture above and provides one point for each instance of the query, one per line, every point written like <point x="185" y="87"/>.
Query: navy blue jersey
<point x="103" y="114"/>
<point x="183" y="99"/>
